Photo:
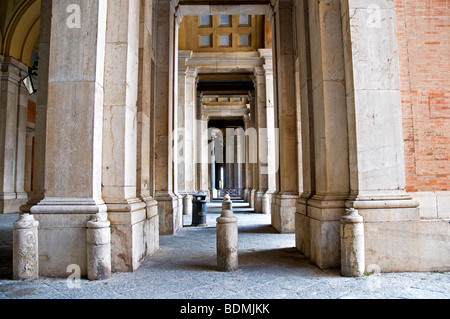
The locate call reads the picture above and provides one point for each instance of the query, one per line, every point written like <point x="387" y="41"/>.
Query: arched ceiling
<point x="20" y="26"/>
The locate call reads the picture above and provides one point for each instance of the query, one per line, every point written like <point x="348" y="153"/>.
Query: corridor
<point x="270" y="267"/>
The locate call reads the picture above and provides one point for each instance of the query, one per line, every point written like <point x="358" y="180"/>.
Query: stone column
<point x="240" y="158"/>
<point x="248" y="173"/>
<point x="263" y="151"/>
<point x="166" y="70"/>
<point x="331" y="181"/>
<point x="25" y="248"/>
<point x="203" y="138"/>
<point x="13" y="106"/>
<point x="41" y="108"/>
<point x="229" y="158"/>
<point x="144" y="181"/>
<point x="307" y="127"/>
<point x="212" y="162"/>
<point x="284" y="202"/>
<point x="374" y="113"/>
<point x="73" y="162"/>
<point x="126" y="211"/>
<point x="22" y="112"/>
<point x="271" y="134"/>
<point x="252" y="134"/>
<point x="189" y="136"/>
<point x="227" y="238"/>
<point x="181" y="151"/>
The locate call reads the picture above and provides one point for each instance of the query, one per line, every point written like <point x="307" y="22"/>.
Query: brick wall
<point x="423" y="28"/>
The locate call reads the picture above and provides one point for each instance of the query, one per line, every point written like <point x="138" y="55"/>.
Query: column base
<point x="62" y="233"/>
<point x="151" y="228"/>
<point x="259" y="201"/>
<point x="252" y="198"/>
<point x="318" y="229"/>
<point x="127" y="218"/>
<point x="283" y="212"/>
<point x="10" y="203"/>
<point x="170" y="221"/>
<point x="246" y="195"/>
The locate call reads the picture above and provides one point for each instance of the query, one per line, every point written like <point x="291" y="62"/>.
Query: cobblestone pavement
<point x="185" y="268"/>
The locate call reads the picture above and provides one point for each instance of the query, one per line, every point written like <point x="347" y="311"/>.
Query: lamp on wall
<point x="28" y="80"/>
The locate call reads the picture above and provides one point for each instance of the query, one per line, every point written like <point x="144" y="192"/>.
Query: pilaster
<point x="165" y="110"/>
<point x="73" y="138"/>
<point x="284" y="203"/>
<point x="13" y="108"/>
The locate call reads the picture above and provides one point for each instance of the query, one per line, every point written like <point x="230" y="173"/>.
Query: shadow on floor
<point x="258" y="229"/>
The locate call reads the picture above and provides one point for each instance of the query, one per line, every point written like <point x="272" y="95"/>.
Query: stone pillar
<point x="73" y="153"/>
<point x="307" y="127"/>
<point x="40" y="129"/>
<point x="98" y="248"/>
<point x="331" y="174"/>
<point x="240" y="158"/>
<point x="213" y="192"/>
<point x="126" y="211"/>
<point x="248" y="173"/>
<point x="262" y="198"/>
<point x="22" y="112"/>
<point x="271" y="134"/>
<point x="284" y="202"/>
<point x="166" y="70"/>
<point x="144" y="181"/>
<point x="374" y="113"/>
<point x="227" y="238"/>
<point x="181" y="151"/>
<point x="190" y="137"/>
<point x="25" y="248"/>
<point x="13" y="109"/>
<point x="252" y="134"/>
<point x="203" y="139"/>
<point x="352" y="244"/>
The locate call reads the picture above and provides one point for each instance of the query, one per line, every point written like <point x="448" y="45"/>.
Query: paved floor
<point x="185" y="268"/>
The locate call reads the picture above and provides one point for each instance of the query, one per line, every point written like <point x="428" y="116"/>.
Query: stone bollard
<point x="25" y="248"/>
<point x="98" y="248"/>
<point x="352" y="244"/>
<point x="227" y="238"/>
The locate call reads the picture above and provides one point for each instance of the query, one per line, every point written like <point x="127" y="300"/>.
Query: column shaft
<point x="72" y="165"/>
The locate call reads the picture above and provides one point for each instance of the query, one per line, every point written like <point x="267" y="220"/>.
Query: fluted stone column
<point x="73" y="152"/>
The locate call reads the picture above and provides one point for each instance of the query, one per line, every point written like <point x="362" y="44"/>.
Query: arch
<point x="22" y="32"/>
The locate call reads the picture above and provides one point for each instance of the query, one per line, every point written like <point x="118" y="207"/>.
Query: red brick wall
<point x="423" y="28"/>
